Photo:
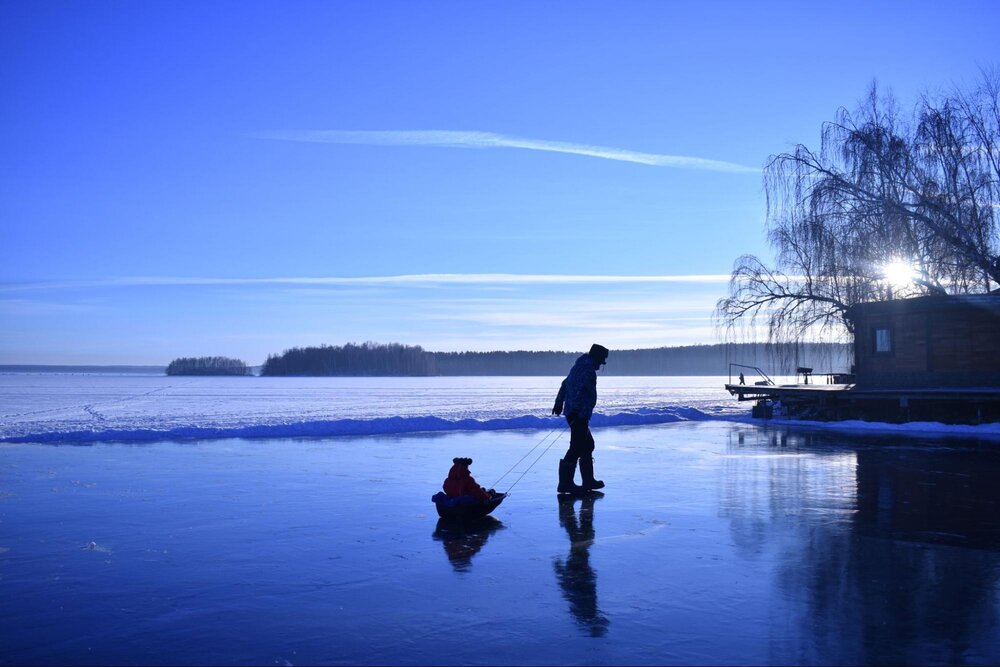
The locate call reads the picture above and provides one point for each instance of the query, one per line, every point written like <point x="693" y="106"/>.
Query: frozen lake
<point x="717" y="542"/>
<point x="86" y="408"/>
<point x="94" y="407"/>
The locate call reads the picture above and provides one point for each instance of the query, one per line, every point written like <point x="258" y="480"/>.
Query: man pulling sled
<point x="578" y="396"/>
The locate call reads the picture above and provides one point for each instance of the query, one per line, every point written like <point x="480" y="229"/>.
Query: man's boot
<point x="567" y="469"/>
<point x="587" y="472"/>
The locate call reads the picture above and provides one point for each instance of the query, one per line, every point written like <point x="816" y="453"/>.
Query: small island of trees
<point x="207" y="366"/>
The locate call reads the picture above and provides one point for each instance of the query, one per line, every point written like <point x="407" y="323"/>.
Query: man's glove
<point x="557" y="409"/>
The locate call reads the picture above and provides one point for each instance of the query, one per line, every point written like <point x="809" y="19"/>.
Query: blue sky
<point x="237" y="178"/>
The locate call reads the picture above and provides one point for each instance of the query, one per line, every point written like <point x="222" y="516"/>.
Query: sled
<point x="465" y="508"/>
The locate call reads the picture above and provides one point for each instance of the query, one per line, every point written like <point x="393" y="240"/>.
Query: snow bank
<point x="922" y="429"/>
<point x="71" y="409"/>
<point x="355" y="427"/>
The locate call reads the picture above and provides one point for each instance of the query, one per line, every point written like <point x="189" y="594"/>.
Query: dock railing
<point x="766" y="381"/>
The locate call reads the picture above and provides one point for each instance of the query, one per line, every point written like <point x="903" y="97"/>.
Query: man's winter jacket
<point x="578" y="393"/>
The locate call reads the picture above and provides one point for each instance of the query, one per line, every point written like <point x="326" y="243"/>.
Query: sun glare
<point x="899" y="273"/>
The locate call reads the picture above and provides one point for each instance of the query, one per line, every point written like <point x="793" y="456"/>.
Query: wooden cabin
<point x="931" y="341"/>
<point x="931" y="358"/>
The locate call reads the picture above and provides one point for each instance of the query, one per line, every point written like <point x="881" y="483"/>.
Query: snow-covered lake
<point x="67" y="408"/>
<point x="46" y="407"/>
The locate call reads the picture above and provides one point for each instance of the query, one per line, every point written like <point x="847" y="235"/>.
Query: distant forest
<point x="390" y="359"/>
<point x="394" y="359"/>
<point x="207" y="366"/>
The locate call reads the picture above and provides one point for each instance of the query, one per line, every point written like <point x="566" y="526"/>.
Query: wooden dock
<point x="970" y="405"/>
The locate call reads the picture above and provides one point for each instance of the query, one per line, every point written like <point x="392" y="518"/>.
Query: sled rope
<point x="537" y="458"/>
<point x="537" y="444"/>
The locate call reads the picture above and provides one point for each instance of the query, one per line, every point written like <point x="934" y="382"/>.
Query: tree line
<point x="207" y="366"/>
<point x="394" y="359"/>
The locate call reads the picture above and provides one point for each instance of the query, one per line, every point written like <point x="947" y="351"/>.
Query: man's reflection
<point x="576" y="578"/>
<point x="463" y="541"/>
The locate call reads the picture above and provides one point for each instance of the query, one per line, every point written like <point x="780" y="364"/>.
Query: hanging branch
<point x="881" y="188"/>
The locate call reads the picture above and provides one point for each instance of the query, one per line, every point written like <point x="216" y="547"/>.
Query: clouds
<point x="481" y="140"/>
<point x="413" y="280"/>
<point x="154" y="319"/>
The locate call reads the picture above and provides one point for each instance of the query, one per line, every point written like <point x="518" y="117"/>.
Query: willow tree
<point x="890" y="205"/>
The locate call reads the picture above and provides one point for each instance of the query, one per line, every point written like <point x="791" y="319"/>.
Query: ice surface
<point x="715" y="543"/>
<point x="721" y="539"/>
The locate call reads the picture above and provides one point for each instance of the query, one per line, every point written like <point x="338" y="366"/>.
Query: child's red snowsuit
<point x="461" y="483"/>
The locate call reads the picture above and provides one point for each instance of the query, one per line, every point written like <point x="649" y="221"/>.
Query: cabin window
<point x="883" y="340"/>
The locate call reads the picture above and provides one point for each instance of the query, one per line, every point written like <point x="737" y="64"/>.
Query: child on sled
<point x="461" y="483"/>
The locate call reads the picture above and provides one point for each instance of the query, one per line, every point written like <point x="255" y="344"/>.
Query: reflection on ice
<point x="941" y="497"/>
<point x="863" y="530"/>
<point x="767" y="494"/>
<point x="462" y="541"/>
<point x="576" y="577"/>
<point x="891" y="598"/>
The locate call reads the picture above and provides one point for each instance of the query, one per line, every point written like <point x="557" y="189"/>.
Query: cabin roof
<point x="936" y="303"/>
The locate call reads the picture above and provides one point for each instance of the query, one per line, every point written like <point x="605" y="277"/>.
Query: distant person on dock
<point x="578" y="395"/>
<point x="461" y="483"/>
<point x="743" y="380"/>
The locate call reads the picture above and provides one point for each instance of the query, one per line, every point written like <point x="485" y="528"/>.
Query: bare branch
<point x="883" y="187"/>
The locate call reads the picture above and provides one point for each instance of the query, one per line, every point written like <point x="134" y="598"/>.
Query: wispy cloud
<point x="419" y="279"/>
<point x="472" y="139"/>
<point x="149" y="318"/>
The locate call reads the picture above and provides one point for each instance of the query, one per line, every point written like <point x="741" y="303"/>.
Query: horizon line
<point x="475" y="139"/>
<point x="10" y="364"/>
